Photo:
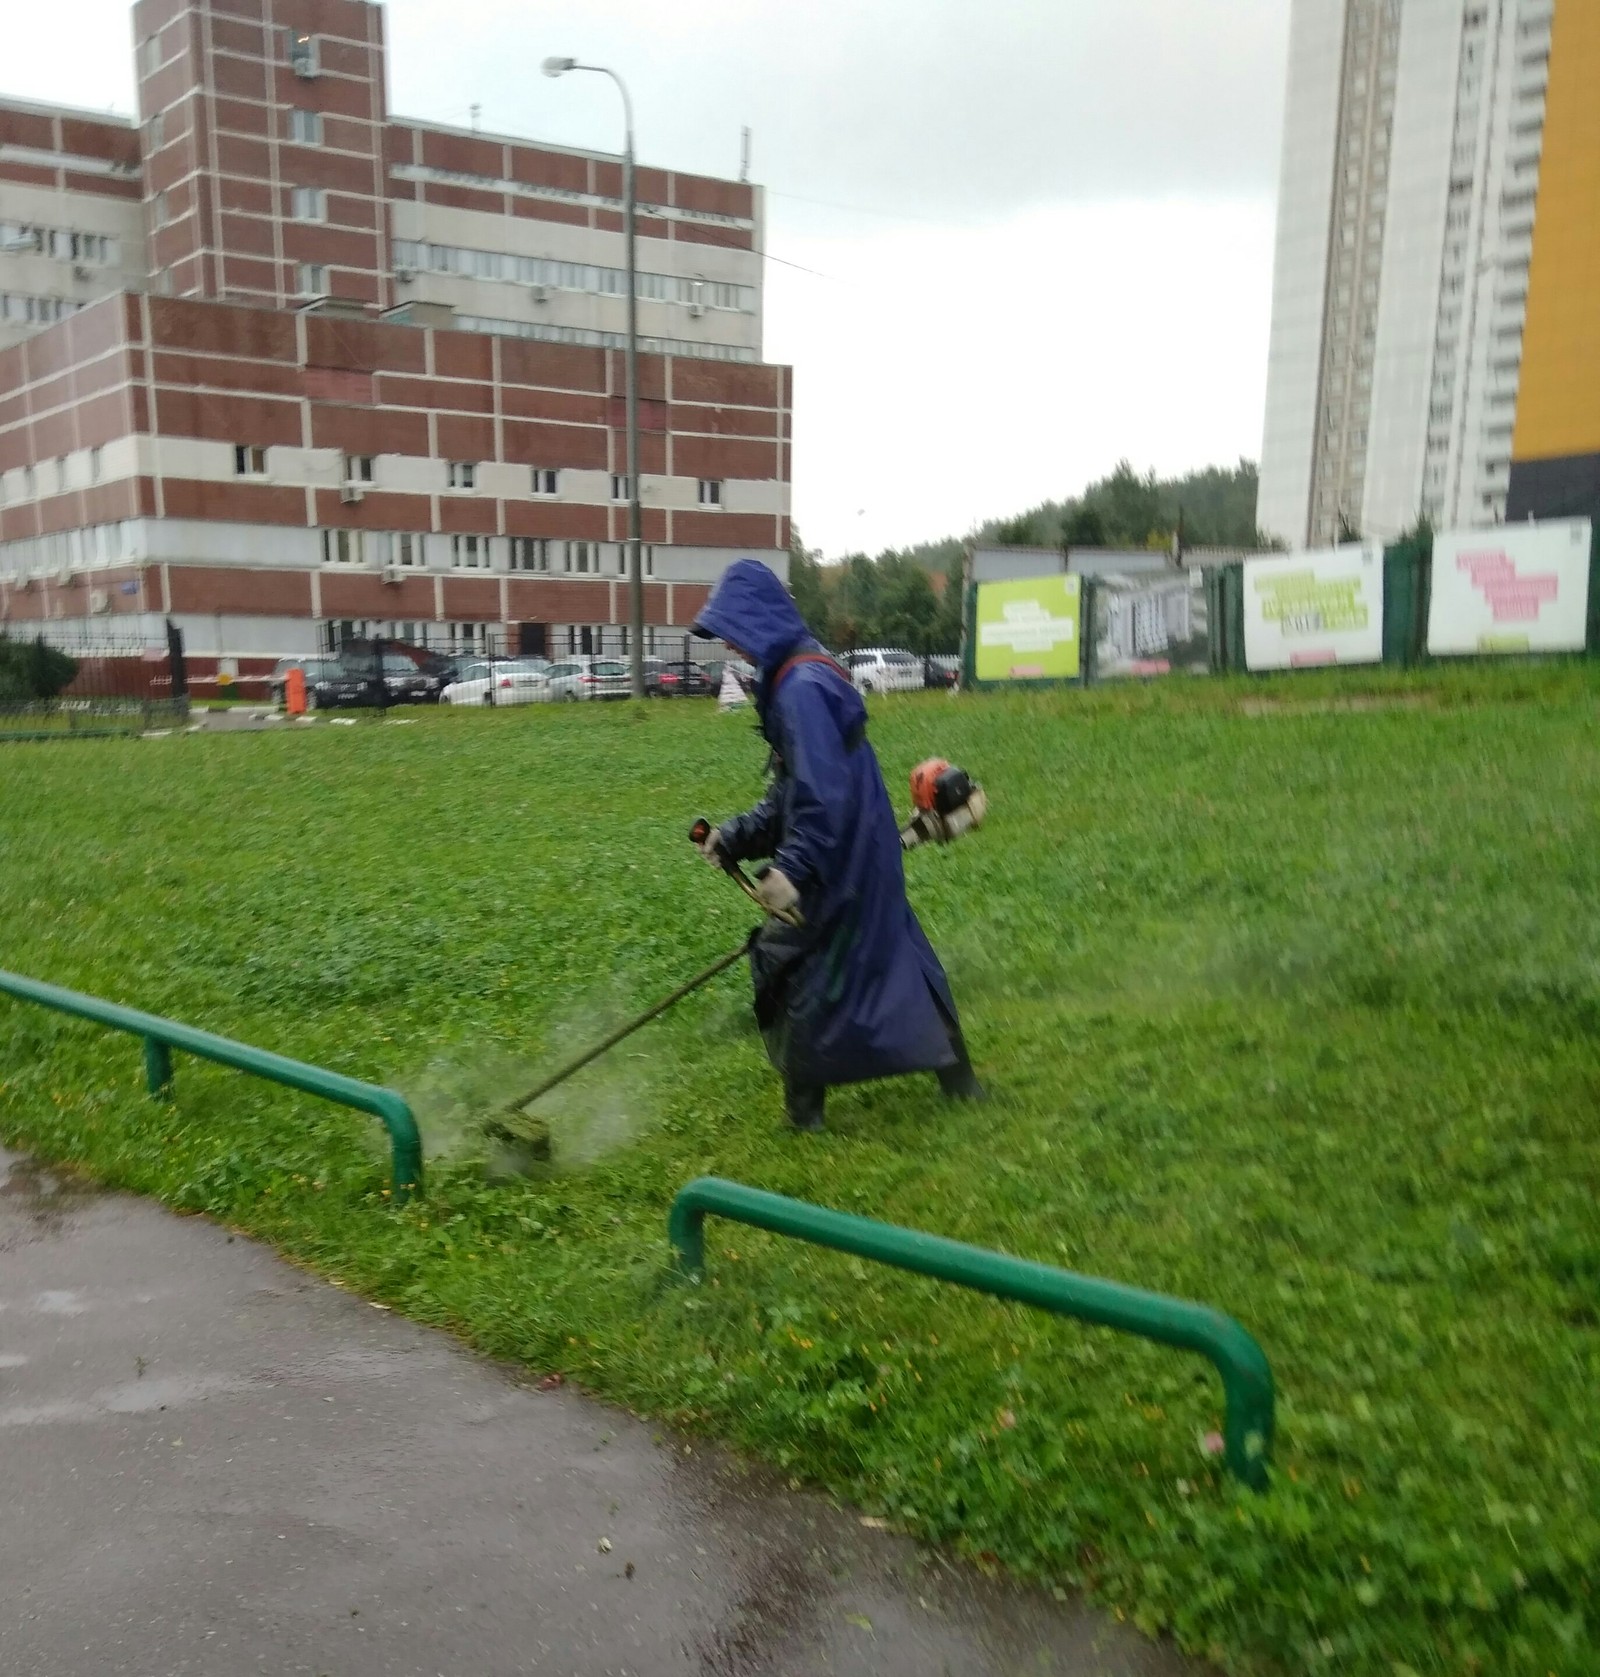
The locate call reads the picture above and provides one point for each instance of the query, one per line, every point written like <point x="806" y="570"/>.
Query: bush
<point x="32" y="670"/>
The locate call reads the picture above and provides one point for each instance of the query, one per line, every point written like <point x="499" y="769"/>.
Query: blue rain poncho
<point x="857" y="992"/>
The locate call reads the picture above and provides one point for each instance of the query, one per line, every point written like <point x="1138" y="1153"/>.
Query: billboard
<point x="1028" y="630"/>
<point x="1315" y="608"/>
<point x="1518" y="588"/>
<point x="1151" y="625"/>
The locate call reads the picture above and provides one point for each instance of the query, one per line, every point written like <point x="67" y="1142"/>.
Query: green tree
<point x="908" y="608"/>
<point x="1083" y="527"/>
<point x="807" y="586"/>
<point x="32" y="670"/>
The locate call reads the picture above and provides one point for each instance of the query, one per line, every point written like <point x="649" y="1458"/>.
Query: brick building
<point x="282" y="368"/>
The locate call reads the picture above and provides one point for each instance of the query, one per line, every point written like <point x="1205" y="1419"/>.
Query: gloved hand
<point x="777" y="893"/>
<point x="711" y="849"/>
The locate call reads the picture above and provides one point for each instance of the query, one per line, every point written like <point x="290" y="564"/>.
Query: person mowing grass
<point x="854" y="990"/>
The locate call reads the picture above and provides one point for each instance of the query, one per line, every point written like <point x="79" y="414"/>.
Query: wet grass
<point x="1286" y="1005"/>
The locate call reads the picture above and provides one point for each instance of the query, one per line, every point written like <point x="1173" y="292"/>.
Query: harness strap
<point x="807" y="658"/>
<point x="857" y="733"/>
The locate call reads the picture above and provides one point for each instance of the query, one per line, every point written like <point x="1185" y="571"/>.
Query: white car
<point x="509" y="681"/>
<point x="885" y="669"/>
<point x="589" y="678"/>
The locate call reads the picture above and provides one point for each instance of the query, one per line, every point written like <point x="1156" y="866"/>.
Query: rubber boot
<point x="804" y="1103"/>
<point x="960" y="1082"/>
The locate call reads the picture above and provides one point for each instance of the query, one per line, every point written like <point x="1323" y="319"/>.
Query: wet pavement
<point x="214" y="1464"/>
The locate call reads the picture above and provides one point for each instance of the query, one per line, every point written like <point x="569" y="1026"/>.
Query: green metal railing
<point x="1246" y="1376"/>
<point x="161" y="1036"/>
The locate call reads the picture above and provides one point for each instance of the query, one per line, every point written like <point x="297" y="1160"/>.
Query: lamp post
<point x="559" y="67"/>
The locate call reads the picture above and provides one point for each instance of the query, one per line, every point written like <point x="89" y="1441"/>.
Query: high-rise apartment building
<point x="283" y="367"/>
<point x="1411" y="222"/>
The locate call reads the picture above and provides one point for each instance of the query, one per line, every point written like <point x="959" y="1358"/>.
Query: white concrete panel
<point x="755" y="495"/>
<point x="321" y="467"/>
<point x="195" y="457"/>
<point x="196" y="541"/>
<point x="523" y="236"/>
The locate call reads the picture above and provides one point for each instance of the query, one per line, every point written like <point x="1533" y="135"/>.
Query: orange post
<point x="294" y="692"/>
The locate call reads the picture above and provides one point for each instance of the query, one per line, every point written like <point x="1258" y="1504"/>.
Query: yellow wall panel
<point x="1558" y="401"/>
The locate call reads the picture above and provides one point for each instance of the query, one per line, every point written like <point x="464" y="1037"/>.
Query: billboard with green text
<point x="1028" y="630"/>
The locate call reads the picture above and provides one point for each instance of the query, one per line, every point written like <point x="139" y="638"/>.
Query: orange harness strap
<point x="808" y="658"/>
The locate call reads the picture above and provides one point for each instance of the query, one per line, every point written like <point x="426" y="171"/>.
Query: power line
<point x="816" y="273"/>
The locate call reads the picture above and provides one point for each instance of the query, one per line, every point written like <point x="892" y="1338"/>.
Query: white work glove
<point x="712" y="848"/>
<point x="777" y="892"/>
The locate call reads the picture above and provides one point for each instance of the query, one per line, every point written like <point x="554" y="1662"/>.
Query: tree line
<point x="891" y="600"/>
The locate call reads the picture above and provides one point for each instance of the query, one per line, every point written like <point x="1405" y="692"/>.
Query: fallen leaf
<point x="859" y="1620"/>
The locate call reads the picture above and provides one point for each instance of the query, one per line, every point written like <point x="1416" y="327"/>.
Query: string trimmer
<point x="947" y="804"/>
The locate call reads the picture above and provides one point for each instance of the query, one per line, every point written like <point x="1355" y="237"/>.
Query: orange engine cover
<point x="925" y="781"/>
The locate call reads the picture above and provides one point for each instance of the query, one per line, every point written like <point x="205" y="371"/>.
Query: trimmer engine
<point x="947" y="802"/>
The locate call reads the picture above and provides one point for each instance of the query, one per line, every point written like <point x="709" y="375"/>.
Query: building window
<point x="248" y="461"/>
<point x="463" y="474"/>
<point x="28" y="482"/>
<point x="545" y="480"/>
<point x="94" y="465"/>
<point x="358" y="468"/>
<point x="306" y="127"/>
<point x="164" y="283"/>
<point x="158" y="131"/>
<point x="311" y="279"/>
<point x="580" y="555"/>
<point x="530" y="553"/>
<point x="152" y="55"/>
<point x="308" y="203"/>
<point x="163" y="209"/>
<point x="711" y="492"/>
<point x="343" y="547"/>
<point x="620" y="488"/>
<point x="469" y="553"/>
<point x="408" y="548"/>
<point x="301" y="51"/>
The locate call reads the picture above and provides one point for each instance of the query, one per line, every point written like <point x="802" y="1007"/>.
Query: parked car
<point x="311" y="665"/>
<point x="589" y="678"/>
<point x="686" y="680"/>
<point x="938" y="670"/>
<point x="745" y="674"/>
<point x="885" y="669"/>
<point x="509" y="681"/>
<point x="408" y="683"/>
<point x="439" y="664"/>
<point x="340" y="683"/>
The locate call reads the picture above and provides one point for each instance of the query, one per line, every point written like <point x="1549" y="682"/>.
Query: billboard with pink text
<point x="1514" y="588"/>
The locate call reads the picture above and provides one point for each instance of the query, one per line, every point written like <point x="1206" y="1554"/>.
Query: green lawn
<point x="1288" y="1003"/>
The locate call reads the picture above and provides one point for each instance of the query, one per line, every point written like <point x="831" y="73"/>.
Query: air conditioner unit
<point x="539" y="293"/>
<point x="303" y="58"/>
<point x="99" y="601"/>
<point x="405" y="275"/>
<point x="79" y="272"/>
<point x="394" y="573"/>
<point x="351" y="495"/>
<point x="697" y="309"/>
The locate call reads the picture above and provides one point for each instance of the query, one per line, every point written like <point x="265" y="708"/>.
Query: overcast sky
<point x="1012" y="240"/>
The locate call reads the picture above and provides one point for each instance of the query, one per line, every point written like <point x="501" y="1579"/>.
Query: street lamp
<point x="559" y="67"/>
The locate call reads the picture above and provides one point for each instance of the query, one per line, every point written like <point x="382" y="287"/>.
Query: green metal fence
<point x="1246" y="1376"/>
<point x="161" y="1036"/>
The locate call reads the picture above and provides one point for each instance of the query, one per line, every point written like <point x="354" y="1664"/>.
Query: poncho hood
<point x="750" y="609"/>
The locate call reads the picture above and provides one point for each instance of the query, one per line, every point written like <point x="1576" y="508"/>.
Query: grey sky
<point x="1058" y="249"/>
